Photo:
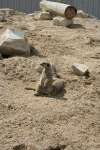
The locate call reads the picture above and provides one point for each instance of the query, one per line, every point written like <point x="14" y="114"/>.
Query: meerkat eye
<point x="48" y="65"/>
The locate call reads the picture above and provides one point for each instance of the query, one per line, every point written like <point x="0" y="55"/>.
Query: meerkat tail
<point x="29" y="88"/>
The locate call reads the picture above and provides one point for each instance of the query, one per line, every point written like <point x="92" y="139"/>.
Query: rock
<point x="60" y="21"/>
<point x="19" y="147"/>
<point x="82" y="14"/>
<point x="1" y="26"/>
<point x="13" y="43"/>
<point x="4" y="13"/>
<point x="43" y="16"/>
<point x="24" y="147"/>
<point x="56" y="147"/>
<point x="3" y="18"/>
<point x="1" y="56"/>
<point x="80" y="69"/>
<point x="7" y="11"/>
<point x="32" y="14"/>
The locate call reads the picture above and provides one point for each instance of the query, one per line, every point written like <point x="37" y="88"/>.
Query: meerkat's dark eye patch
<point x="45" y="64"/>
<point x="48" y="65"/>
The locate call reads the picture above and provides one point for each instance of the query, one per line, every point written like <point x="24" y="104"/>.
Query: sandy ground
<point x="74" y="120"/>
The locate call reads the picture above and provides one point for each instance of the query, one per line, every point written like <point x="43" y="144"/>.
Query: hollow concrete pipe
<point x="57" y="8"/>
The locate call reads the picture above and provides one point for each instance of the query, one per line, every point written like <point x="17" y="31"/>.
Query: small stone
<point x="1" y="26"/>
<point x="80" y="69"/>
<point x="19" y="147"/>
<point x="25" y="147"/>
<point x="82" y="14"/>
<point x="43" y="16"/>
<point x="7" y="11"/>
<point x="10" y="107"/>
<point x="3" y="18"/>
<point x="56" y="147"/>
<point x="32" y="14"/>
<point x="61" y="21"/>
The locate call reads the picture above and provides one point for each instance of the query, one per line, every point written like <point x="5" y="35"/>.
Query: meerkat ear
<point x="45" y="64"/>
<point x="42" y="64"/>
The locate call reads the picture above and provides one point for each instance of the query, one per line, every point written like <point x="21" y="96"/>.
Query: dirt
<point x="44" y="122"/>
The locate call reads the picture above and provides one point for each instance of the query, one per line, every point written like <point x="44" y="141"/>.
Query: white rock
<point x="80" y="69"/>
<point x="82" y="14"/>
<point x="7" y="11"/>
<point x="60" y="21"/>
<point x="31" y="14"/>
<point x="43" y="16"/>
<point x="3" y="18"/>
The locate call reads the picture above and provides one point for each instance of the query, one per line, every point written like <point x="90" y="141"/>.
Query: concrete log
<point x="60" y="9"/>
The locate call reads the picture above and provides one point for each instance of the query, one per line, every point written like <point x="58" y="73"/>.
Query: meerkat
<point x="58" y="86"/>
<point x="45" y="83"/>
<point x="49" y="84"/>
<point x="45" y="79"/>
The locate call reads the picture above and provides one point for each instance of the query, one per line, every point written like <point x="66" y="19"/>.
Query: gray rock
<point x="42" y="16"/>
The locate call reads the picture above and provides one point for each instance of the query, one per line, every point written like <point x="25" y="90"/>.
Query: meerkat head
<point x="48" y="69"/>
<point x="45" y="65"/>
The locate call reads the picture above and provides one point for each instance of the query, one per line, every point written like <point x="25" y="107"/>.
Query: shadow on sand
<point x="76" y="26"/>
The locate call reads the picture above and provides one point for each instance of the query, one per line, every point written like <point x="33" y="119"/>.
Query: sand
<point x="72" y="120"/>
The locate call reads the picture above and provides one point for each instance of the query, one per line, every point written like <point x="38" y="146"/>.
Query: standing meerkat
<point x="45" y="83"/>
<point x="49" y="83"/>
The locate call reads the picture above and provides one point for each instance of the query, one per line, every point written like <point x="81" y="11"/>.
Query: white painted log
<point x="59" y="8"/>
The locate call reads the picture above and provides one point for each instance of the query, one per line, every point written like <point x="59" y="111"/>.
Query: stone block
<point x="80" y="69"/>
<point x="61" y="21"/>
